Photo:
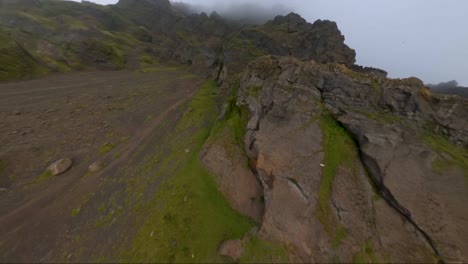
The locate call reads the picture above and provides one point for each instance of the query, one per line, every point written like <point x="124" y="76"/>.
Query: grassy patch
<point x="104" y="50"/>
<point x="366" y="254"/>
<point x="261" y="251"/>
<point x="188" y="76"/>
<point x="15" y="62"/>
<point x="379" y="116"/>
<point x="339" y="150"/>
<point x="340" y="235"/>
<point x="73" y="23"/>
<point x="456" y="156"/>
<point x="2" y="165"/>
<point x="106" y="148"/>
<point x="254" y="91"/>
<point x="235" y="120"/>
<point x="44" y="176"/>
<point x="75" y="212"/>
<point x="52" y="64"/>
<point x="42" y="21"/>
<point x="146" y="60"/>
<point x="189" y="217"/>
<point x="376" y="87"/>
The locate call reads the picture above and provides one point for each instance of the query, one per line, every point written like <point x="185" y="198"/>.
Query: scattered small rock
<point x="60" y="166"/>
<point x="15" y="132"/>
<point x="232" y="248"/>
<point x="17" y="112"/>
<point x="96" y="166"/>
<point x="187" y="150"/>
<point x="322" y="165"/>
<point x="3" y="189"/>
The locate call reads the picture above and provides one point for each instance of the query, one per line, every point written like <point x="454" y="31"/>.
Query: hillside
<point x="60" y="36"/>
<point x="195" y="138"/>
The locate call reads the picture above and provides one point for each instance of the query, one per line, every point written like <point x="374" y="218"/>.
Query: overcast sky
<point x="423" y="38"/>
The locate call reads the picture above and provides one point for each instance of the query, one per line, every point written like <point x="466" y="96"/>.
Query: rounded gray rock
<point x="60" y="166"/>
<point x="96" y="166"/>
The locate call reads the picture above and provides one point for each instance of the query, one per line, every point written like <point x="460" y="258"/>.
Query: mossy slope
<point x="189" y="217"/>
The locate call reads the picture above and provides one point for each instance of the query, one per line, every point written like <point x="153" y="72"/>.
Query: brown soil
<point x="111" y="117"/>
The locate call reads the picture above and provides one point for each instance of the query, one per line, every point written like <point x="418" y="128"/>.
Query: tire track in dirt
<point x="30" y="231"/>
<point x="32" y="207"/>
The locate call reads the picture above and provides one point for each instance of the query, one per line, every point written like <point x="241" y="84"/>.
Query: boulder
<point x="96" y="166"/>
<point x="60" y="166"/>
<point x="233" y="249"/>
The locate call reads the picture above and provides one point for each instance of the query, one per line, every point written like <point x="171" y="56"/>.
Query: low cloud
<point x="250" y="12"/>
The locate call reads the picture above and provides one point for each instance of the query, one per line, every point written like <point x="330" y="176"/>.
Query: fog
<point x="423" y="38"/>
<point x="249" y="12"/>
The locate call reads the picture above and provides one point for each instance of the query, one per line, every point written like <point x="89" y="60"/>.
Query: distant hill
<point x="450" y="87"/>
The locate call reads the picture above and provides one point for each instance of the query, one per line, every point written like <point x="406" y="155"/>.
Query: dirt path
<point x="96" y="116"/>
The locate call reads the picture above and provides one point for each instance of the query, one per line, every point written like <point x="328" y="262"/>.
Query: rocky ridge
<point x="316" y="133"/>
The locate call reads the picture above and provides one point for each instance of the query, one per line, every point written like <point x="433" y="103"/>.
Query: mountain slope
<point x="63" y="36"/>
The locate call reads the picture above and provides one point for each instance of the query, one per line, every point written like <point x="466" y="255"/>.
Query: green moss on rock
<point x="339" y="151"/>
<point x="189" y="217"/>
<point x="16" y="62"/>
<point x="262" y="251"/>
<point x="454" y="155"/>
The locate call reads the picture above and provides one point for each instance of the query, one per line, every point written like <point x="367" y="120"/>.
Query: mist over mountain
<point x="246" y="12"/>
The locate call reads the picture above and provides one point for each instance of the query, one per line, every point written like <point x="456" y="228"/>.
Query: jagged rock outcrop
<point x="288" y="35"/>
<point x="318" y="132"/>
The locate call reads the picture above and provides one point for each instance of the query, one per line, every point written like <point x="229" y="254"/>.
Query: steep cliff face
<point x="354" y="166"/>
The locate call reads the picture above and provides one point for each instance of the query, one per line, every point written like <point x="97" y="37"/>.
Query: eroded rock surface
<point x="397" y="191"/>
<point x="237" y="182"/>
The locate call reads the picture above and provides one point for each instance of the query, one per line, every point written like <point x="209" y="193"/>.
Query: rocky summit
<point x="214" y="140"/>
